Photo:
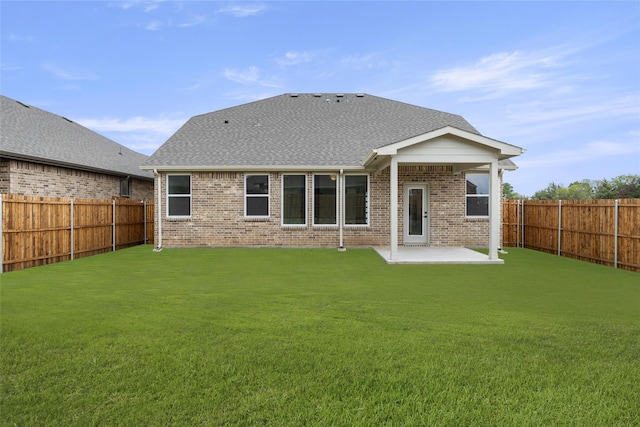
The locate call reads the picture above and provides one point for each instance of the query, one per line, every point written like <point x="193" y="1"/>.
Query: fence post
<point x="522" y="226"/>
<point x="559" y="225"/>
<point x="71" y="231"/>
<point x="113" y="238"/>
<point x="615" y="233"/>
<point x="1" y="241"/>
<point x="144" y="221"/>
<point x="517" y="223"/>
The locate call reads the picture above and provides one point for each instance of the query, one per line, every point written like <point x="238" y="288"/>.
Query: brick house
<point x="329" y="170"/>
<point x="43" y="154"/>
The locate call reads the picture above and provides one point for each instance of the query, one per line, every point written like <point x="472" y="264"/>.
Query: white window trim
<point x="344" y="206"/>
<point x="180" y="195"/>
<point x="466" y="196"/>
<point x="306" y="197"/>
<point x="268" y="196"/>
<point x="313" y="201"/>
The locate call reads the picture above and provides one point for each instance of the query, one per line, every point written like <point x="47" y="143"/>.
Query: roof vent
<point x="226" y="122"/>
<point x="24" y="105"/>
<point x="70" y="121"/>
<point x="317" y="95"/>
<point x="294" y="95"/>
<point x="359" y="95"/>
<point x="339" y="95"/>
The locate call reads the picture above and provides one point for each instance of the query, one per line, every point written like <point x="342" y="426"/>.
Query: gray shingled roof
<point x="29" y="133"/>
<point x="299" y="130"/>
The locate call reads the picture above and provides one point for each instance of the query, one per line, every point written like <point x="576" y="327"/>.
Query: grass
<point x="289" y="337"/>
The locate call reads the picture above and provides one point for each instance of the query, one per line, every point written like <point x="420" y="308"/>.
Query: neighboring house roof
<point x="31" y="134"/>
<point x="314" y="130"/>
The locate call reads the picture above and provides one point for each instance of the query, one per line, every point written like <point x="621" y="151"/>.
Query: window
<point x="356" y="200"/>
<point x="125" y="187"/>
<point x="294" y="202"/>
<point x="179" y="195"/>
<point x="477" y="194"/>
<point x="324" y="200"/>
<point x="256" y="192"/>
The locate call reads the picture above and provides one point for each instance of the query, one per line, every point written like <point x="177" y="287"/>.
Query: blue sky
<point x="561" y="79"/>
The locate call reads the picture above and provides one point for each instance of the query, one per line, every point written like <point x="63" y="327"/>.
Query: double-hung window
<point x="356" y="199"/>
<point x="477" y="194"/>
<point x="324" y="200"/>
<point x="125" y="187"/>
<point x="294" y="200"/>
<point x="179" y="196"/>
<point x="256" y="195"/>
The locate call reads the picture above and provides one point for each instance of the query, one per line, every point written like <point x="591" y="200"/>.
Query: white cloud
<point x="134" y="124"/>
<point x="145" y="5"/>
<point x="193" y="21"/>
<point x="7" y="67"/>
<point x="70" y="74"/>
<point x="368" y="61"/>
<point x="294" y="58"/>
<point x="243" y="10"/>
<point x="589" y="152"/>
<point x="249" y="76"/>
<point x="142" y="134"/>
<point x="153" y="25"/>
<point x="498" y="73"/>
<point x="17" y="38"/>
<point x="576" y="108"/>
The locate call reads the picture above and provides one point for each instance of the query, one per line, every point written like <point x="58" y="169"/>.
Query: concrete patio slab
<point x="431" y="255"/>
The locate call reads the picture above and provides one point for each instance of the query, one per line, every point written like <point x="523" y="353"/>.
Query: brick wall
<point x="218" y="213"/>
<point x="4" y="176"/>
<point x="35" y="179"/>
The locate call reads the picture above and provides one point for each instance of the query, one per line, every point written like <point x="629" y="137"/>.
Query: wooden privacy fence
<point x="601" y="231"/>
<point x="44" y="230"/>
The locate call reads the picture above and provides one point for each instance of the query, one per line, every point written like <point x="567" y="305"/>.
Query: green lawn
<point x="289" y="337"/>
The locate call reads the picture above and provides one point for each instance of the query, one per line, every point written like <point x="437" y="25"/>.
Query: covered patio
<point x="462" y="150"/>
<point x="435" y="255"/>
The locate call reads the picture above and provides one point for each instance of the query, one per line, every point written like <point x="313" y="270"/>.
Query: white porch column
<point x="393" y="207"/>
<point x="494" y="210"/>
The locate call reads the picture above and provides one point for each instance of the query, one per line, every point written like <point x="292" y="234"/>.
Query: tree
<point x="620" y="187"/>
<point x="579" y="190"/>
<point x="552" y="192"/>
<point x="508" y="192"/>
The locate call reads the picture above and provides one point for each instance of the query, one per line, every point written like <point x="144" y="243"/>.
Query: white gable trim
<point x="505" y="150"/>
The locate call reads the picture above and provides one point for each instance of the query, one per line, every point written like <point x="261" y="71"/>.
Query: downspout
<point x="158" y="247"/>
<point x="341" y="248"/>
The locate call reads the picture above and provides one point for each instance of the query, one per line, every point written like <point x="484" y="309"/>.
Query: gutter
<point x="341" y="248"/>
<point x="158" y="247"/>
<point x="253" y="168"/>
<point x="372" y="155"/>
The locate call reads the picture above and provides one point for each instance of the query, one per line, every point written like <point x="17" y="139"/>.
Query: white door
<point x="416" y="214"/>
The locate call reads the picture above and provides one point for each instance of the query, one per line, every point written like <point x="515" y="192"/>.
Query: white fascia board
<point x="253" y="168"/>
<point x="505" y="149"/>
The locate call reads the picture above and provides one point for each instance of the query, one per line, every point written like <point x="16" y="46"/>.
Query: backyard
<point x="289" y="337"/>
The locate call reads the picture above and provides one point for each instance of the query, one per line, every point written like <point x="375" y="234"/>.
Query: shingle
<point x="29" y="133"/>
<point x="301" y="130"/>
